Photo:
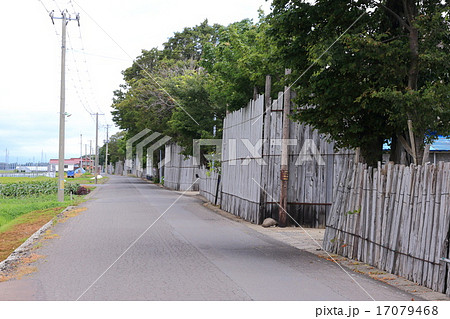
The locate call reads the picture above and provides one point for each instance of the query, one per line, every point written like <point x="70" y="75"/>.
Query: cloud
<point x="30" y="63"/>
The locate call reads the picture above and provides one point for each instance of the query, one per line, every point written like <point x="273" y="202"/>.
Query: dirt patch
<point x="71" y="213"/>
<point x="25" y="226"/>
<point x="21" y="267"/>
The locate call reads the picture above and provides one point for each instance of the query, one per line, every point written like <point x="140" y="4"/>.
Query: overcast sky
<point x="30" y="63"/>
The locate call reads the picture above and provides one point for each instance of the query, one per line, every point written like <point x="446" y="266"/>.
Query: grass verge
<point x="23" y="227"/>
<point x="12" y="208"/>
<point x="22" y="217"/>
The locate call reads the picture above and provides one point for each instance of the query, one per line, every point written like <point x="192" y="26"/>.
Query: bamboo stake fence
<point x="395" y="218"/>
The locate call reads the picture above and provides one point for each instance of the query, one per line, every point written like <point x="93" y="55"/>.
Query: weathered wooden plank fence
<point x="251" y="155"/>
<point x="179" y="171"/>
<point x="241" y="169"/>
<point x="396" y="218"/>
<point x="209" y="185"/>
<point x="314" y="167"/>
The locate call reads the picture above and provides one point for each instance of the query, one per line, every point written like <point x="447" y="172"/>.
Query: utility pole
<point x="81" y="151"/>
<point x="107" y="142"/>
<point x="65" y="17"/>
<point x="90" y="154"/>
<point x="96" y="146"/>
<point x="284" y="174"/>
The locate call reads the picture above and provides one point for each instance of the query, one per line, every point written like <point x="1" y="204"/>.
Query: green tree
<point x="116" y="149"/>
<point x="365" y="83"/>
<point x="239" y="62"/>
<point x="185" y="89"/>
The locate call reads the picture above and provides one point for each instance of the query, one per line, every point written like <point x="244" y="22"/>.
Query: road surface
<point x="137" y="241"/>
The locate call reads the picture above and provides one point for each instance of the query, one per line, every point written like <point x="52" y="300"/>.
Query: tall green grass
<point x="11" y="208"/>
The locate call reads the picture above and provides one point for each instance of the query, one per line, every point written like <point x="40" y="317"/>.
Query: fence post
<point x="265" y="146"/>
<point x="284" y="175"/>
<point x="329" y="179"/>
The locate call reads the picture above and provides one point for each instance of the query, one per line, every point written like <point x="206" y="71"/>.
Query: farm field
<point x="84" y="179"/>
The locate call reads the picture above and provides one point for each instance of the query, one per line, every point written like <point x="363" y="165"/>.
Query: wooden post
<point x="284" y="174"/>
<point x="426" y="154"/>
<point x="265" y="148"/>
<point x="329" y="178"/>
<point x="412" y="141"/>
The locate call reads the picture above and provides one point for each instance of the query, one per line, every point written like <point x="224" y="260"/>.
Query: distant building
<point x="439" y="151"/>
<point x="70" y="164"/>
<point x="7" y="166"/>
<point x="29" y="168"/>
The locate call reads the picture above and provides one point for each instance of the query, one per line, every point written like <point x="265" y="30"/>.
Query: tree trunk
<point x="413" y="73"/>
<point x="373" y="152"/>
<point x="397" y="153"/>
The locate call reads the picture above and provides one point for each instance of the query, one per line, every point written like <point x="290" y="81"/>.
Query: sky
<point x="111" y="34"/>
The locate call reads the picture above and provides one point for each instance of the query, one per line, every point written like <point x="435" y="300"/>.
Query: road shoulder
<point x="310" y="240"/>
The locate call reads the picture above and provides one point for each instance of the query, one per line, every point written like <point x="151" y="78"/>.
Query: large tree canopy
<point x="185" y="89"/>
<point x="366" y="72"/>
<point x="392" y="65"/>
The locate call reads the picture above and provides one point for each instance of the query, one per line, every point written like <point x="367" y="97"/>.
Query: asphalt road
<point x="190" y="253"/>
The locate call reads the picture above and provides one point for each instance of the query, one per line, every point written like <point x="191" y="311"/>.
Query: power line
<point x="137" y="63"/>
<point x="49" y="13"/>
<point x="56" y="3"/>
<point x="85" y="104"/>
<point x="89" y="78"/>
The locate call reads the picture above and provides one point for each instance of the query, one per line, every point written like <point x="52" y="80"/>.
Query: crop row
<point x="35" y="188"/>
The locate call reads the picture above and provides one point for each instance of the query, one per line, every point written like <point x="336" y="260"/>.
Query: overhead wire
<point x="84" y="102"/>
<point x="88" y="73"/>
<point x="57" y="5"/>
<point x="49" y="12"/>
<point x="85" y="63"/>
<point x="84" y="92"/>
<point x="148" y="74"/>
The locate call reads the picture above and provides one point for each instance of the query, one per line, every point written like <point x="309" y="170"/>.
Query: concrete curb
<point x="24" y="248"/>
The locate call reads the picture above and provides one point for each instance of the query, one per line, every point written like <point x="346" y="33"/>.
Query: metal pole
<point x="62" y="112"/>
<point x="284" y="174"/>
<point x="96" y="147"/>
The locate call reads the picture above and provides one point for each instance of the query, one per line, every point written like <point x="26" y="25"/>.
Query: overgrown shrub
<point x="83" y="190"/>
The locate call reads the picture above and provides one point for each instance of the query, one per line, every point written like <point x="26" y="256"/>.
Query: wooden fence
<point x="314" y="167"/>
<point x="179" y="171"/>
<point x="251" y="181"/>
<point x="396" y="218"/>
<point x="209" y="185"/>
<point x="241" y="170"/>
